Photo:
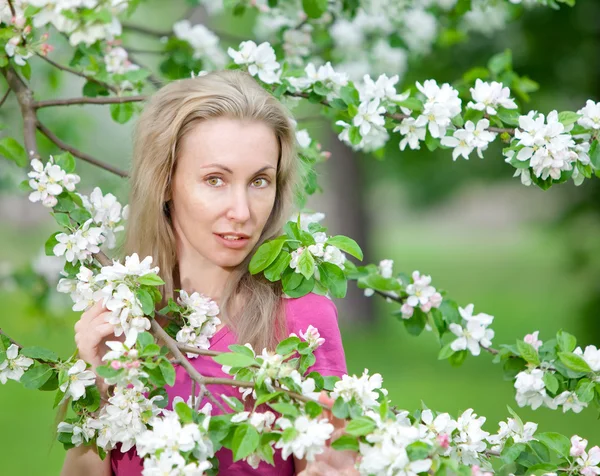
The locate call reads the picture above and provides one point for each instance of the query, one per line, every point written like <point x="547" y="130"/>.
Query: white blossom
<point x="590" y="115"/>
<point x="80" y="432"/>
<point x="471" y="137"/>
<point x="488" y="97"/>
<point x="261" y="60"/>
<point x="203" y="41"/>
<point x="531" y="390"/>
<point x="591" y="355"/>
<point x="420" y="294"/>
<point x="511" y="428"/>
<point x="533" y="340"/>
<point x="309" y="439"/>
<point x="569" y="401"/>
<point x="362" y="389"/>
<point x="14" y="366"/>
<point x="441" y="105"/>
<point x="77" y="379"/>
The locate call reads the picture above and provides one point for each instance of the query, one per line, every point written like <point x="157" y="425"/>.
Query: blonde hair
<point x="169" y="115"/>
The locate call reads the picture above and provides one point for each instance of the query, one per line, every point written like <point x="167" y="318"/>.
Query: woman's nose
<point x="239" y="206"/>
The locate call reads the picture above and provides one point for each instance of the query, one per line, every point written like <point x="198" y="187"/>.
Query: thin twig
<point x="79" y="73"/>
<point x="501" y="130"/>
<point x="10" y="339"/>
<point x="77" y="153"/>
<point x="5" y="96"/>
<point x="86" y="100"/>
<point x="12" y="8"/>
<point x="145" y="52"/>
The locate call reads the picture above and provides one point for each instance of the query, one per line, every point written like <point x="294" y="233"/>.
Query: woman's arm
<point x="83" y="460"/>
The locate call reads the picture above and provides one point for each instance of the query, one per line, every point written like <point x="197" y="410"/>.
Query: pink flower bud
<point x="45" y="36"/>
<point x="27" y="29"/>
<point x="135" y="364"/>
<point x="578" y="445"/>
<point x="326" y="154"/>
<point x="15" y="40"/>
<point x="443" y="440"/>
<point x="115" y="364"/>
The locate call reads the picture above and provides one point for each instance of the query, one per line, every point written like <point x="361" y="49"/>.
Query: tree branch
<point x="79" y="73"/>
<point x="12" y="8"/>
<point x="10" y="339"/>
<point x="25" y="99"/>
<point x="5" y="96"/>
<point x="77" y="153"/>
<point x="86" y="100"/>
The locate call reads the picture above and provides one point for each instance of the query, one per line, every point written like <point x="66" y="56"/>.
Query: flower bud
<point x="443" y="440"/>
<point x="115" y="364"/>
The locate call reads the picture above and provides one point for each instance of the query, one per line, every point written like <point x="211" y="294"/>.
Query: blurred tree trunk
<point x="344" y="206"/>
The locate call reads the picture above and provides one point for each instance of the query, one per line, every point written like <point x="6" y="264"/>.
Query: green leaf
<point x="39" y="353"/>
<point x="334" y="279"/>
<point x="144" y="339"/>
<point x="345" y="442"/>
<point x="285" y="409"/>
<point x="585" y="390"/>
<point x="14" y="151"/>
<point x="184" y="412"/>
<point x="51" y="243"/>
<point x="528" y="352"/>
<point x="509" y="116"/>
<point x="234" y="360"/>
<point x="266" y="254"/>
<point x="245" y="441"/>
<point x="595" y="154"/>
<point x="511" y="453"/>
<point x="551" y="382"/>
<point x="556" y="442"/>
<point x="360" y="426"/>
<point x="458" y="358"/>
<point x="233" y="403"/>
<point x="540" y="450"/>
<point x="500" y="62"/>
<point x="150" y="279"/>
<point x="287" y="345"/>
<point x="379" y="283"/>
<point x="121" y="112"/>
<point x="445" y="352"/>
<point x="36" y="376"/>
<point x="277" y="267"/>
<point x="65" y="161"/>
<point x="305" y="362"/>
<point x="568" y="117"/>
<point x="241" y="349"/>
<point x="313" y="409"/>
<point x="305" y="286"/>
<point x="105" y="371"/>
<point x="413" y="104"/>
<point x="306" y="264"/>
<point x="168" y="372"/>
<point x="267" y="397"/>
<point x="574" y="362"/>
<point x="418" y="450"/>
<point x="346" y="244"/>
<point x="62" y="219"/>
<point x="349" y="94"/>
<point x="416" y="323"/>
<point x="314" y="8"/>
<point x="146" y="301"/>
<point x="340" y="408"/>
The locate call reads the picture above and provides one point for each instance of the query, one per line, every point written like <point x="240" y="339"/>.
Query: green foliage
<point x="14" y="151"/>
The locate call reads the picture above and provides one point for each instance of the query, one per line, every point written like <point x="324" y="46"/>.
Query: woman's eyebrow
<point x="227" y="169"/>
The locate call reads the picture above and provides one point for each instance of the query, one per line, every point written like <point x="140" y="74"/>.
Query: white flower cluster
<point x="546" y="144"/>
<point x="84" y="289"/>
<point x="332" y="80"/>
<point x="77" y="379"/>
<point x="421" y="294"/>
<point x="260" y="60"/>
<point x="60" y="14"/>
<point x="385" y="450"/>
<point x="531" y="389"/>
<point x="475" y="334"/>
<point x="200" y="314"/>
<point x="590" y="115"/>
<point x="117" y="61"/>
<point x="203" y="41"/>
<point x="471" y="137"/>
<point x="321" y="251"/>
<point x="48" y="181"/>
<point x="263" y="422"/>
<point x="80" y="245"/>
<point x="14" y="365"/>
<point x="107" y="213"/>
<point x="487" y="97"/>
<point x="587" y="462"/>
<point x="469" y="442"/>
<point x="511" y="428"/>
<point x="118" y="292"/>
<point x="122" y="357"/>
<point x="161" y="447"/>
<point x="81" y="431"/>
<point x="362" y="389"/>
<point x="309" y="437"/>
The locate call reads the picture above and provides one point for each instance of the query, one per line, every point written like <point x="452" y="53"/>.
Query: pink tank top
<point x="311" y="309"/>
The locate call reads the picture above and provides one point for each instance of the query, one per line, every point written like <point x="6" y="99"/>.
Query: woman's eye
<point x="214" y="181"/>
<point x="262" y="182"/>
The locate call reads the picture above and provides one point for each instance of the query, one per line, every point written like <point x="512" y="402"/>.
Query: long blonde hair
<point x="168" y="116"/>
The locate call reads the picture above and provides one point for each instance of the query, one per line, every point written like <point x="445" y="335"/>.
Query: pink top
<point x="330" y="360"/>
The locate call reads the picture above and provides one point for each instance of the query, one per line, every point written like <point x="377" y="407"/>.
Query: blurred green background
<point x="528" y="257"/>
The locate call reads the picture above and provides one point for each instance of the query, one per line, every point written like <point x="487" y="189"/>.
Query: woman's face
<point x="223" y="188"/>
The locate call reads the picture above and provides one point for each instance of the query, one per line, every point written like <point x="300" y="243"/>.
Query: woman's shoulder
<point x="310" y="301"/>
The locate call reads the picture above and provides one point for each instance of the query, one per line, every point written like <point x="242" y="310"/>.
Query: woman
<point x="214" y="175"/>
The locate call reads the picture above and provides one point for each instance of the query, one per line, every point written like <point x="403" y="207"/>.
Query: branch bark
<point x="85" y="100"/>
<point x="77" y="153"/>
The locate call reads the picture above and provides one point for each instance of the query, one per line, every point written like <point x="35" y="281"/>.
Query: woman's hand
<point x="332" y="462"/>
<point x="91" y="333"/>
